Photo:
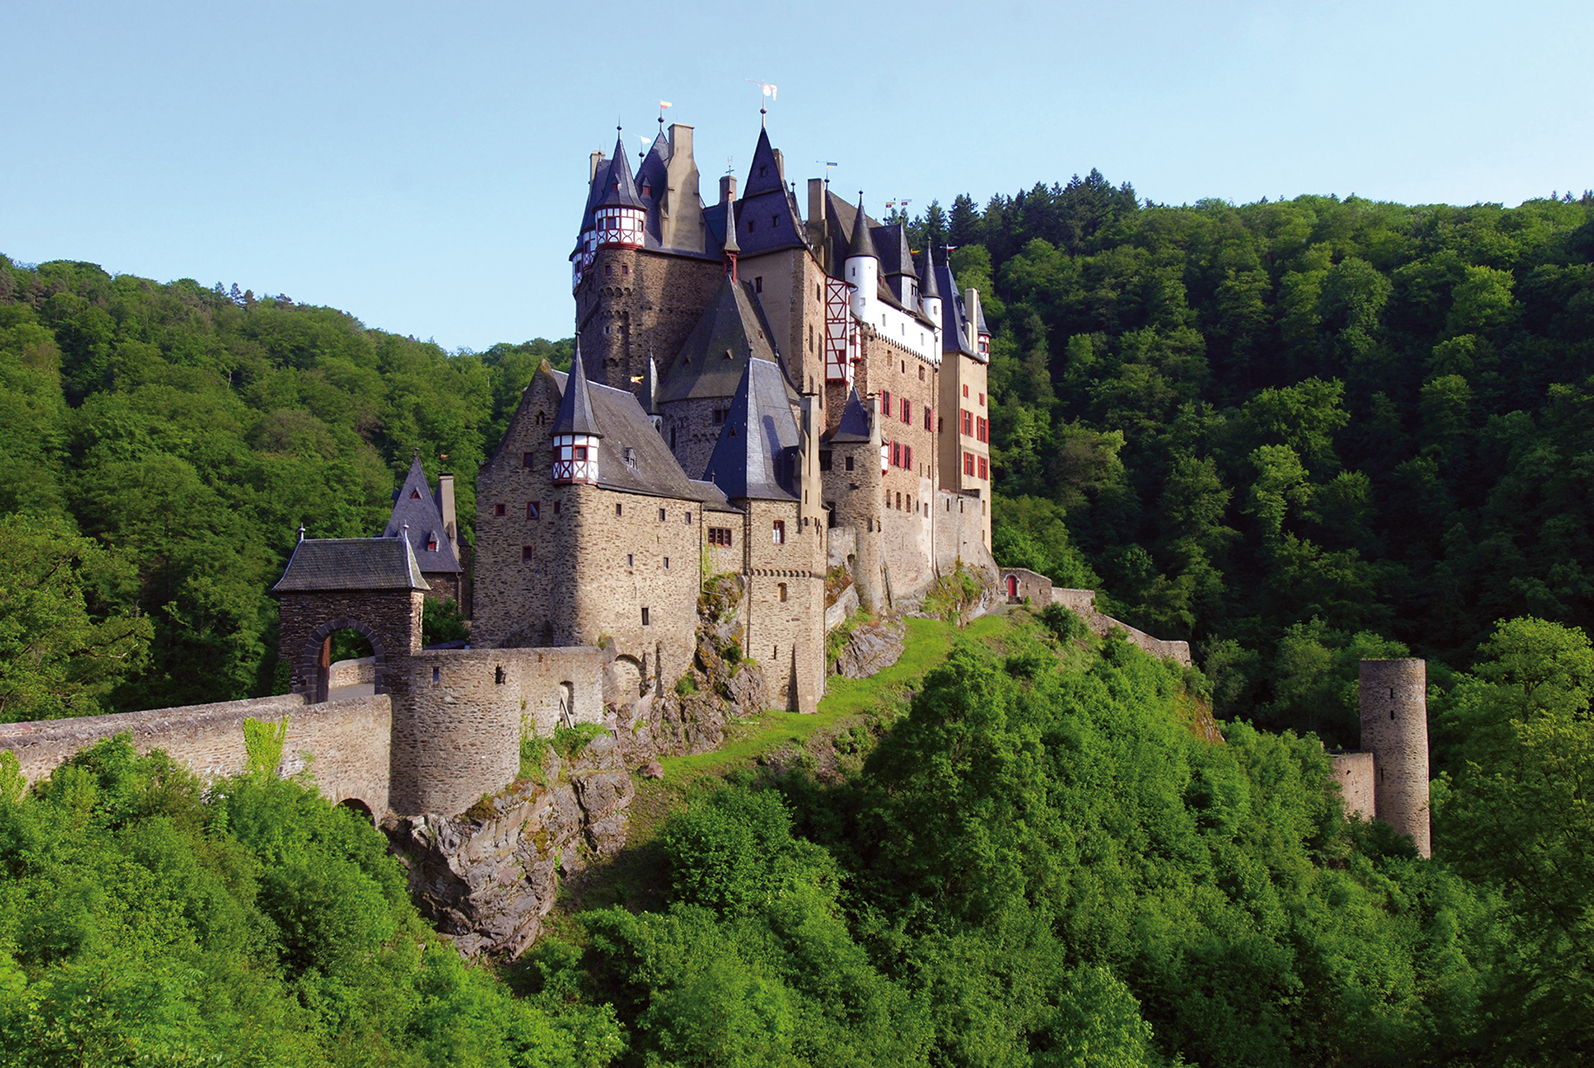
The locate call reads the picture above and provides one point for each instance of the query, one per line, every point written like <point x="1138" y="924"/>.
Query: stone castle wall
<point x="1394" y="714"/>
<point x="352" y="672"/>
<point x="1039" y="590"/>
<point x="962" y="521"/>
<point x="347" y="741"/>
<point x="456" y="736"/>
<point x="786" y="633"/>
<point x="632" y="303"/>
<point x="1354" y="773"/>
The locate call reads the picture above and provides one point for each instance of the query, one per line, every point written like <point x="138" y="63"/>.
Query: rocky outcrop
<point x="487" y="878"/>
<point x="872" y="646"/>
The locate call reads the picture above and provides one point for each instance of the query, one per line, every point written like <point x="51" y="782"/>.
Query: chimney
<point x="445" y="505"/>
<point x="971" y="311"/>
<point x="780" y="166"/>
<point x="680" y="139"/>
<point x="594" y="161"/>
<point x="816" y="202"/>
<point x="727" y="188"/>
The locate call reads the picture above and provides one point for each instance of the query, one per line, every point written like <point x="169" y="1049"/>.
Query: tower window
<point x="555" y="507"/>
<point x="533" y="509"/>
<point x="688" y="518"/>
<point x="498" y="676"/>
<point x="527" y="459"/>
<point x="645" y="620"/>
<point x="758" y="284"/>
<point x="498" y="509"/>
<point x="617" y="509"/>
<point x="719" y="536"/>
<point x="780" y="532"/>
<point x="781" y="590"/>
<point x="431" y="543"/>
<point x="921" y="370"/>
<point x="625" y="270"/>
<point x="750" y="226"/>
<point x="965" y="391"/>
<point x="630" y="559"/>
<point x="661" y="515"/>
<point x="666" y="563"/>
<point x="525" y="554"/>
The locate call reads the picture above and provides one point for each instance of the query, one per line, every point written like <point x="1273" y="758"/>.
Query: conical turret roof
<point x="927" y="284"/>
<point x="862" y="241"/>
<point x="575" y="408"/>
<point x="621" y="191"/>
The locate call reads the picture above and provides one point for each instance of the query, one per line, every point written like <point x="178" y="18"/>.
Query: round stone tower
<point x="1394" y="706"/>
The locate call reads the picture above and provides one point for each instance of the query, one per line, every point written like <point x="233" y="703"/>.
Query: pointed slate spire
<point x="928" y="287"/>
<point x="751" y="458"/>
<point x="862" y="241"/>
<point x="763" y="175"/>
<point x="621" y="191"/>
<point x="575" y="408"/>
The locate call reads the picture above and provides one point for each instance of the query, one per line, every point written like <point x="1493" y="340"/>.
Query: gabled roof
<point x="575" y="406"/>
<point x="954" y="337"/>
<point x="712" y="360"/>
<point x="854" y="425"/>
<point x="619" y="187"/>
<point x="632" y="456"/>
<point x="751" y="460"/>
<point x="416" y="507"/>
<point x="351" y="564"/>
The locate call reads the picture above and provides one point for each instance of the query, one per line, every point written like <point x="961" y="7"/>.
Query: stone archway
<point x="359" y="808"/>
<point x="313" y="661"/>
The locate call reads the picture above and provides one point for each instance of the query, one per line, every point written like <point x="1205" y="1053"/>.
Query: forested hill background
<point x="1296" y="433"/>
<point x="185" y="433"/>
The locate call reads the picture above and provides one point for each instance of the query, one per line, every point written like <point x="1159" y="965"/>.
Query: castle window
<point x="688" y="518"/>
<point x="758" y="283"/>
<point x="968" y="422"/>
<point x="965" y="391"/>
<point x="666" y="563"/>
<point x="431" y="543"/>
<point x="629" y="456"/>
<point x="904" y="363"/>
<point x="498" y="676"/>
<point x="525" y="554"/>
<point x="907" y="457"/>
<point x="540" y="418"/>
<point x="415" y="495"/>
<point x="437" y="676"/>
<point x="555" y="507"/>
<point x="672" y="437"/>
<point x="907" y="410"/>
<point x="661" y="515"/>
<point x="625" y="269"/>
<point x="885" y="404"/>
<point x="719" y="536"/>
<point x="630" y="559"/>
<point x="526" y="460"/>
<point x="533" y="509"/>
<point x="608" y="269"/>
<point x="578" y="452"/>
<point x="781" y="590"/>
<point x="896" y="454"/>
<point x="824" y="461"/>
<point x="498" y="509"/>
<point x="968" y="463"/>
<point x="928" y="424"/>
<point x="750" y="225"/>
<point x="985" y="471"/>
<point x="849" y="463"/>
<point x="617" y="509"/>
<point x="780" y="532"/>
<point x="645" y="620"/>
<point x="774" y="652"/>
<point x="982" y="400"/>
<point x="899" y="501"/>
<point x="774" y="220"/>
<point x="921" y="370"/>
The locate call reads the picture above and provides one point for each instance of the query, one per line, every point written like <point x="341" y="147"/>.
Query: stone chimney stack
<point x="1394" y="706"/>
<point x="593" y="163"/>
<point x="445" y="505"/>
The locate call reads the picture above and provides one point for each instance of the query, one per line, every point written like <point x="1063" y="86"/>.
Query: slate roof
<point x="754" y="457"/>
<point x="862" y="243"/>
<point x="416" y="505"/>
<point x="928" y="286"/>
<point x="953" y="320"/>
<point x="854" y="425"/>
<point x="628" y="431"/>
<point x="712" y="360"/>
<point x="351" y="564"/>
<point x="619" y="187"/>
<point x="575" y="404"/>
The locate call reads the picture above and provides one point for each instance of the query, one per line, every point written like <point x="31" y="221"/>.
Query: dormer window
<point x="647" y="189"/>
<point x="431" y="543"/>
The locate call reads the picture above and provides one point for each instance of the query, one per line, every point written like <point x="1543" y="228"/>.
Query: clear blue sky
<point x="422" y="166"/>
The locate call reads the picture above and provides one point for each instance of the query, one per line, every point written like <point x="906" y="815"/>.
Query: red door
<point x="1012" y="586"/>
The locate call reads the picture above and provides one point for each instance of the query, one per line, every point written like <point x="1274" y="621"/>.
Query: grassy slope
<point x="632" y="877"/>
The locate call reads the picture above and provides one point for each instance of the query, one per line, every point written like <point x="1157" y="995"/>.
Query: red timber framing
<point x="840" y="344"/>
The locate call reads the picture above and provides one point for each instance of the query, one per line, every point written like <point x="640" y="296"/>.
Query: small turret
<point x="732" y="248"/>
<point x="930" y="291"/>
<point x="620" y="213"/>
<point x="862" y="269"/>
<point x="575" y="432"/>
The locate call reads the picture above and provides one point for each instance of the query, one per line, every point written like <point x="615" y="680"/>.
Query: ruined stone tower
<point x="1394" y="709"/>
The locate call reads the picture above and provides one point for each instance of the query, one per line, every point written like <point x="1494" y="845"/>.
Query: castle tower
<point x="862" y="268"/>
<point x="575" y="432"/>
<point x="1394" y="709"/>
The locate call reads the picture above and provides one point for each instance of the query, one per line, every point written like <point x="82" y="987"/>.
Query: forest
<point x="1296" y="433"/>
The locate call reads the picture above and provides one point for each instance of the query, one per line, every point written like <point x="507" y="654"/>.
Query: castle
<point x="783" y="401"/>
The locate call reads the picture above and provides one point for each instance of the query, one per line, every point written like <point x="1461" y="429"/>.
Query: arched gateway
<point x="370" y="585"/>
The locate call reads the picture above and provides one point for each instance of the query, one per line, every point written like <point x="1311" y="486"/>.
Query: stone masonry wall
<point x="856" y="497"/>
<point x="1394" y="713"/>
<point x="634" y="302"/>
<point x="390" y="619"/>
<point x="1039" y="589"/>
<point x="787" y="635"/>
<point x="1354" y="773"/>
<point x="348" y="741"/>
<point x="960" y="525"/>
